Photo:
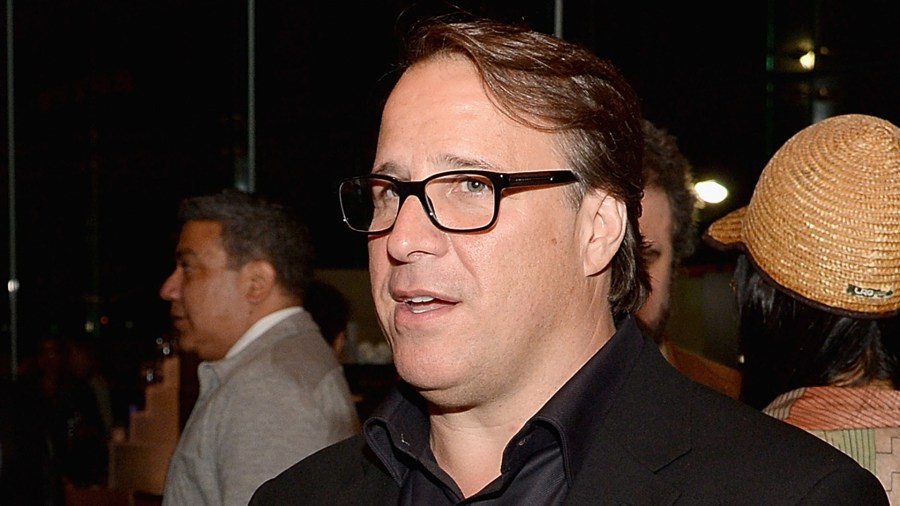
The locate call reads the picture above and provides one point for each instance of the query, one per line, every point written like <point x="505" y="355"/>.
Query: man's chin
<point x="186" y="343"/>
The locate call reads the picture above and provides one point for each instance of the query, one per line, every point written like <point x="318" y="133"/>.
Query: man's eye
<point x="474" y="185"/>
<point x="384" y="192"/>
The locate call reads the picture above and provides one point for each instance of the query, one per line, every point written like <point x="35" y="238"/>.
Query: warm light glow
<point x="808" y="60"/>
<point x="711" y="191"/>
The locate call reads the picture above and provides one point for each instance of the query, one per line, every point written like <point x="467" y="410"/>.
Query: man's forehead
<point x="199" y="238"/>
<point x="440" y="118"/>
<point x="201" y="230"/>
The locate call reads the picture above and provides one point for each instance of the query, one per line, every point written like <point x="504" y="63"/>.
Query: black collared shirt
<point x="541" y="461"/>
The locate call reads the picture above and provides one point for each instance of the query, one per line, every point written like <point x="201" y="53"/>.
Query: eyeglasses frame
<point x="500" y="180"/>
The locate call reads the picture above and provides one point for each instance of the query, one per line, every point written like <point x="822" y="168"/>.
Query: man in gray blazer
<point x="505" y="260"/>
<point x="271" y="389"/>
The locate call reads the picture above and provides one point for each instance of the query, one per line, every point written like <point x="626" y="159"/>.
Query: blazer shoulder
<point x="709" y="446"/>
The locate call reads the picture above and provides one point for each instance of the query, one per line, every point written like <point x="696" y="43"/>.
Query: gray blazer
<point x="278" y="400"/>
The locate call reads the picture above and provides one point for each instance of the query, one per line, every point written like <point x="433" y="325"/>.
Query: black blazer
<point x="666" y="440"/>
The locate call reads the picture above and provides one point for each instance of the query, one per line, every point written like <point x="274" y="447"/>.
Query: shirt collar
<point x="260" y="327"/>
<point x="578" y="410"/>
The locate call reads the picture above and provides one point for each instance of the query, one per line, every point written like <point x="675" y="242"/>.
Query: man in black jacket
<point x="504" y="253"/>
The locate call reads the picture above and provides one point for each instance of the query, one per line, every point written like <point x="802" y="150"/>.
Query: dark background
<point x="123" y="108"/>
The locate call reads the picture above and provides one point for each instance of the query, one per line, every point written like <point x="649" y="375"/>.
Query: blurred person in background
<point x="271" y="389"/>
<point x="87" y="414"/>
<point x="330" y="309"/>
<point x="668" y="225"/>
<point x="29" y="469"/>
<point x="817" y="285"/>
<point x="84" y="363"/>
<point x="68" y="413"/>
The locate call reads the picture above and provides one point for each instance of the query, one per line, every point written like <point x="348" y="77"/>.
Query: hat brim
<point x="726" y="233"/>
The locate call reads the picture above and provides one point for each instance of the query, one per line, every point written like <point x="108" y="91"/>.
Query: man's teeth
<point x="418" y="304"/>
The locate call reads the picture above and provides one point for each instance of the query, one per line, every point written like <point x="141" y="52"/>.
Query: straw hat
<point x="824" y="220"/>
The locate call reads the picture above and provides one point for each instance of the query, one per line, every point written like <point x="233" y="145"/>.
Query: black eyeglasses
<point x="455" y="201"/>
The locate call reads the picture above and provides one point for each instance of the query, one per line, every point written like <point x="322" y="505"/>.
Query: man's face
<point x="656" y="226"/>
<point x="205" y="295"/>
<point x="472" y="317"/>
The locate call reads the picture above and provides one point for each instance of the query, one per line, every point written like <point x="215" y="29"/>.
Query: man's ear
<point x="259" y="280"/>
<point x="606" y="219"/>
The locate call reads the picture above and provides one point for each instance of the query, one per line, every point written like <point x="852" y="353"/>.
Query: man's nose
<point x="169" y="289"/>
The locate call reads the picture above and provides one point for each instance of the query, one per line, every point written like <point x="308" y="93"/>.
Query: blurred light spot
<point x="808" y="60"/>
<point x="711" y="191"/>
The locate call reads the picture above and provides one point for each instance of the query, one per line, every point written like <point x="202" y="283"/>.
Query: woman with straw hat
<point x="818" y="287"/>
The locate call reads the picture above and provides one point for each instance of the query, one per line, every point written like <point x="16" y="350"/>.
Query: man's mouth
<point x="424" y="303"/>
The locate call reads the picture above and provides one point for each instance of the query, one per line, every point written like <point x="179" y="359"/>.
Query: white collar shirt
<point x="258" y="328"/>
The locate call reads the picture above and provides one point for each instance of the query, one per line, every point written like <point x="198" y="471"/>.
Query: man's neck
<point x="468" y="444"/>
<point x="471" y="453"/>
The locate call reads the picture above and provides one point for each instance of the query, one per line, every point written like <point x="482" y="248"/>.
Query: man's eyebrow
<point x="388" y="168"/>
<point x="461" y="162"/>
<point x="182" y="253"/>
<point x="451" y="162"/>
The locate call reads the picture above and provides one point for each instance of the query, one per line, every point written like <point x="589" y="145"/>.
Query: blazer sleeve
<point x="847" y="486"/>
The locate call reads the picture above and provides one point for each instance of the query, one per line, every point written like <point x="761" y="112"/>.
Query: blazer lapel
<point x="647" y="428"/>
<point x="373" y="484"/>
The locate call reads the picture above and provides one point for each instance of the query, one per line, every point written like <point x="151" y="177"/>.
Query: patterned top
<point x="862" y="422"/>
